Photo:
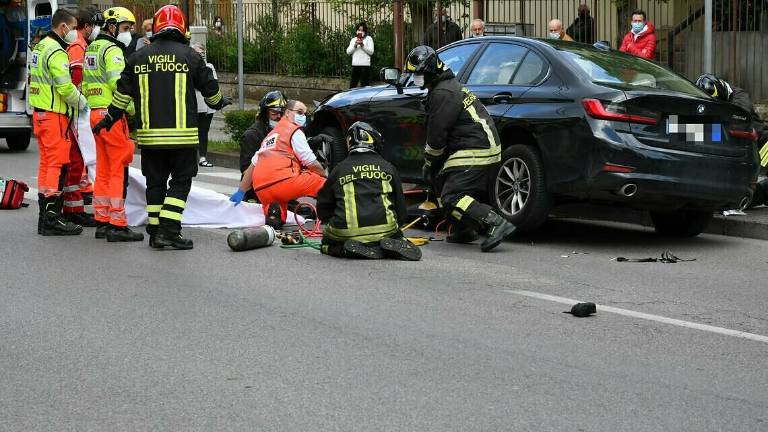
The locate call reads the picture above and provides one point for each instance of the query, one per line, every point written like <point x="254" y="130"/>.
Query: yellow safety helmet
<point x="117" y="15"/>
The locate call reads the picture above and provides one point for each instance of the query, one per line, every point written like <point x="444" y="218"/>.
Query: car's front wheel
<point x="18" y="140"/>
<point x="681" y="223"/>
<point x="519" y="188"/>
<point x="335" y="151"/>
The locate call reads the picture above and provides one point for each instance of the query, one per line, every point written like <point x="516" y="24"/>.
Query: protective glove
<point x="226" y="101"/>
<point x="237" y="197"/>
<point x="316" y="140"/>
<point x="105" y="123"/>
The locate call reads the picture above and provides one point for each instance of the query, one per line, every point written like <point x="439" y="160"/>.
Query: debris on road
<point x="666" y="257"/>
<point x="583" y="310"/>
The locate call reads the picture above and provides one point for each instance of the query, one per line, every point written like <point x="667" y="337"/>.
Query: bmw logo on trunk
<point x="700" y="109"/>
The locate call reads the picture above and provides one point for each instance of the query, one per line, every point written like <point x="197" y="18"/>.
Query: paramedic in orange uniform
<point x="284" y="168"/>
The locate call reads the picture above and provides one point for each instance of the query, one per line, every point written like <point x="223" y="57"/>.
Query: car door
<point x="490" y="77"/>
<point x="400" y="117"/>
<point x="502" y="75"/>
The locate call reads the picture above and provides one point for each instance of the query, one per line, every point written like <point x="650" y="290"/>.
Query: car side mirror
<point x="390" y="75"/>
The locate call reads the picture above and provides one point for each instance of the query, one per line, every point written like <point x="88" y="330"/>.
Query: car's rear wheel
<point x="18" y="140"/>
<point x="335" y="151"/>
<point x="681" y="223"/>
<point x="519" y="188"/>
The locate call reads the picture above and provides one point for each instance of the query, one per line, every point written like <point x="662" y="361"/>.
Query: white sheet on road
<point x="204" y="207"/>
<point x="86" y="142"/>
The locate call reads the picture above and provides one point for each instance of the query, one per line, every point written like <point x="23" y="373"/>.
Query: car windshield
<point x="626" y="72"/>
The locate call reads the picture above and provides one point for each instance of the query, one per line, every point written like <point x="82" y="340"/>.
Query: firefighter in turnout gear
<point x="56" y="101"/>
<point x="462" y="149"/>
<point x="104" y="62"/>
<point x="160" y="80"/>
<point x="362" y="203"/>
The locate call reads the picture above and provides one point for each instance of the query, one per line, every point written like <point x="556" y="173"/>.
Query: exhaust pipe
<point x="628" y="190"/>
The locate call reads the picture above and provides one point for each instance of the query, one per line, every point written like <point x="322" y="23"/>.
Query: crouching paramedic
<point x="362" y="203"/>
<point x="462" y="149"/>
<point x="104" y="62"/>
<point x="284" y="168"/>
<point x="56" y="101"/>
<point x="161" y="80"/>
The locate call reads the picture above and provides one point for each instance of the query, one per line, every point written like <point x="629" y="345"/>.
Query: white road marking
<point x="645" y="316"/>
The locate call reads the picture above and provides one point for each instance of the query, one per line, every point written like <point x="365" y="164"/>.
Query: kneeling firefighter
<point x="161" y="80"/>
<point x="362" y="203"/>
<point x="720" y="89"/>
<point x="104" y="62"/>
<point x="462" y="149"/>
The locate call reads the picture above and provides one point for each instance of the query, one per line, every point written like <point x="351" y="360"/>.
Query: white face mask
<point x="300" y="119"/>
<point x="124" y="38"/>
<point x="418" y="79"/>
<point x="148" y="34"/>
<point x="272" y="124"/>
<point x="71" y="36"/>
<point x="94" y="33"/>
<point x="553" y="35"/>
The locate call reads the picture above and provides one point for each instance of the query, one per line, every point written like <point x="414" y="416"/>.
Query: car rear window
<point x="626" y="72"/>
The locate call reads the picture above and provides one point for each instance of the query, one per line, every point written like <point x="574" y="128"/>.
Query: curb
<point x="754" y="225"/>
<point x="224" y="160"/>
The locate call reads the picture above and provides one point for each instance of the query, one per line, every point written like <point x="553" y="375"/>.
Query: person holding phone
<point x="361" y="50"/>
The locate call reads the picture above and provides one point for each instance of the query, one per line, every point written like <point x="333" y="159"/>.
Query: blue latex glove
<point x="237" y="197"/>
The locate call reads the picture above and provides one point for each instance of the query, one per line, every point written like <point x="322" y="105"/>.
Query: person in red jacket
<point x="640" y="40"/>
<point x="74" y="204"/>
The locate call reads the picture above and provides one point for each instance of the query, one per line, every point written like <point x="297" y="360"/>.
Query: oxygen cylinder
<point x="251" y="238"/>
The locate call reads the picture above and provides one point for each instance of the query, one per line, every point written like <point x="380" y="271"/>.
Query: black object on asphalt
<point x="582" y="310"/>
<point x="666" y="257"/>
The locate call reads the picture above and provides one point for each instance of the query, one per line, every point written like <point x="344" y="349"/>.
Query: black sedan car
<point x="577" y="123"/>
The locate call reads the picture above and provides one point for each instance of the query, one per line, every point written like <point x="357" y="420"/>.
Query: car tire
<point x="519" y="189"/>
<point x="18" y="141"/>
<point x="337" y="150"/>
<point x="681" y="223"/>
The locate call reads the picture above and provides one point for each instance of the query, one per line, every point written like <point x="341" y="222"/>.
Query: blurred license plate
<point x="694" y="130"/>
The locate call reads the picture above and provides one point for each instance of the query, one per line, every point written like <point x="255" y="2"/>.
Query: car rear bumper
<point x="14" y="121"/>
<point x="670" y="179"/>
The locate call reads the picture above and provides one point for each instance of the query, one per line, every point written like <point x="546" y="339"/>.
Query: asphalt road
<point x="119" y="337"/>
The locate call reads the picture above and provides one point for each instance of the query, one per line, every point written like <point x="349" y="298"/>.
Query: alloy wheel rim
<point x="513" y="186"/>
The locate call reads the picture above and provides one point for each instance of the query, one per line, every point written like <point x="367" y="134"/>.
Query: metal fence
<point x="310" y="37"/>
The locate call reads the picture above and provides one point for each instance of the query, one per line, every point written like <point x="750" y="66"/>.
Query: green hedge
<point x="236" y="122"/>
<point x="308" y="48"/>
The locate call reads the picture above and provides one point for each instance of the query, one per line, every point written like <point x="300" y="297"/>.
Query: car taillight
<point x="3" y="102"/>
<point x="595" y="109"/>
<point x="616" y="168"/>
<point x="749" y="135"/>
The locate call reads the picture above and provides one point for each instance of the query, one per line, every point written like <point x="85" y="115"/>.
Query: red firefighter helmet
<point x="168" y="18"/>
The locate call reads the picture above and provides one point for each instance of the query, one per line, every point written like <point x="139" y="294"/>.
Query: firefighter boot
<point x="400" y="249"/>
<point x="123" y="234"/>
<point x="174" y="240"/>
<point x="275" y="217"/>
<point x="83" y="219"/>
<point x="41" y="213"/>
<point x="463" y="234"/>
<point x="101" y="229"/>
<point x="53" y="224"/>
<point x="498" y="229"/>
<point x="356" y="249"/>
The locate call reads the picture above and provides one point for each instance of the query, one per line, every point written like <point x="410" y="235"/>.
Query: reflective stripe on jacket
<point x="50" y="86"/>
<point x="103" y="64"/>
<point x="277" y="160"/>
<point x="161" y="79"/>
